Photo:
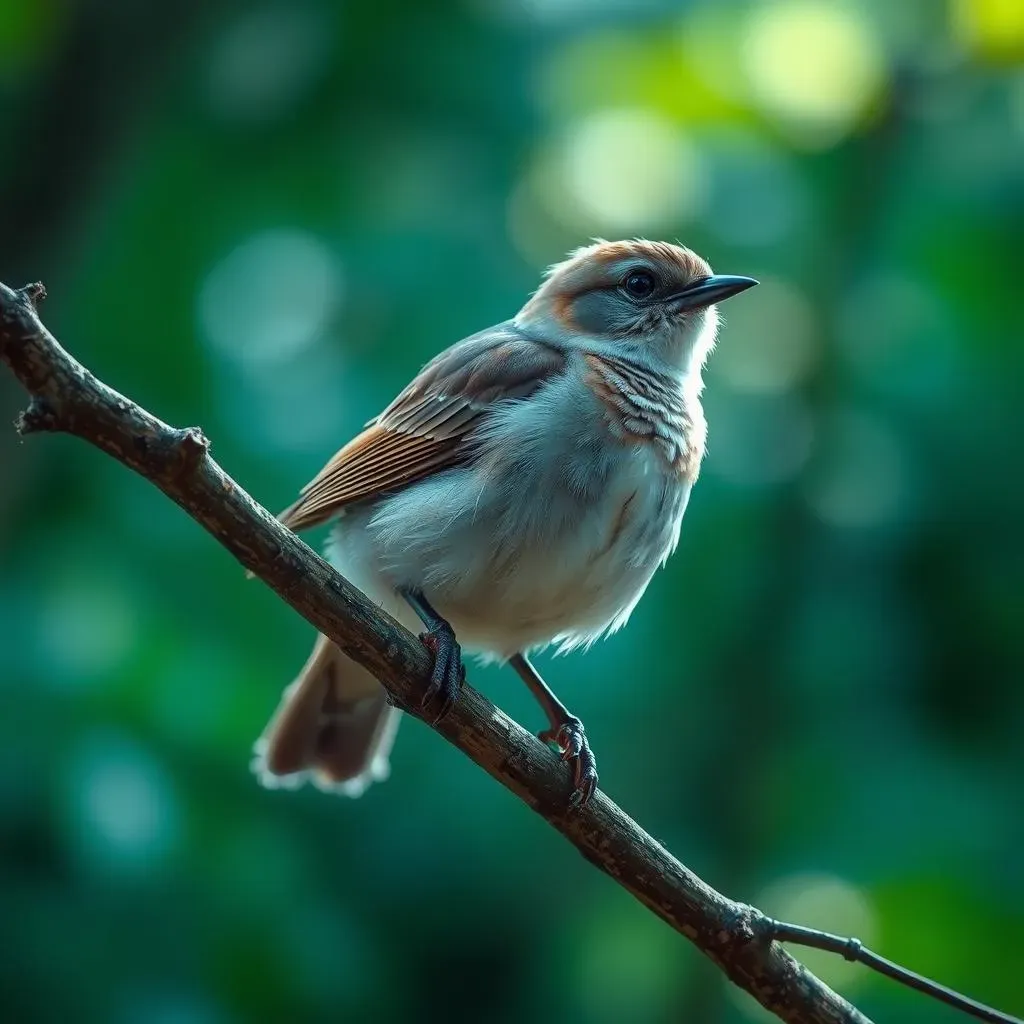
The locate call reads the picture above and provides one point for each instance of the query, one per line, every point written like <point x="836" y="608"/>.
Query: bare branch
<point x="64" y="396"/>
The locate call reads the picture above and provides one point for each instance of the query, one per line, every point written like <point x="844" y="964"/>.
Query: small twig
<point x="855" y="951"/>
<point x="739" y="939"/>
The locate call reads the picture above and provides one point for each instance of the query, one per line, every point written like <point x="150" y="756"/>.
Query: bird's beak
<point x="708" y="290"/>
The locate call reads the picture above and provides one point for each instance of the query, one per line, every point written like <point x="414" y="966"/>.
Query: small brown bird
<point x="521" y="491"/>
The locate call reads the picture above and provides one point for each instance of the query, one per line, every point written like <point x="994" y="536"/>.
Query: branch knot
<point x="181" y="449"/>
<point x="192" y="445"/>
<point x="34" y="294"/>
<point x="38" y="417"/>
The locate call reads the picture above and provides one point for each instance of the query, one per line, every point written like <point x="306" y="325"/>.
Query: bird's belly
<point x="514" y="562"/>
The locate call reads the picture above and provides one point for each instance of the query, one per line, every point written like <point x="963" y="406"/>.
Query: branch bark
<point x="65" y="396"/>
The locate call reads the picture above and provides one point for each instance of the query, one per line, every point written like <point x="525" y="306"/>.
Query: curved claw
<point x="571" y="740"/>
<point x="448" y="673"/>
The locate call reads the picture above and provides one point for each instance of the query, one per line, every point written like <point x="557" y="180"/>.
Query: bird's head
<point x="653" y="298"/>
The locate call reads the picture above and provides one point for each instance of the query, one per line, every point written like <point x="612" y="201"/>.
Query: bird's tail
<point x="333" y="726"/>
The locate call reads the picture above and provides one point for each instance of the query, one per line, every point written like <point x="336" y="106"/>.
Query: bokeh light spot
<point x="169" y="1006"/>
<point x="626" y="968"/>
<point x="813" y="67"/>
<point x="993" y="28"/>
<point x="264" y="62"/>
<point x="123" y="810"/>
<point x="557" y="12"/>
<point x="630" y="171"/>
<point x="270" y="298"/>
<point x="832" y="904"/>
<point x="86" y="628"/>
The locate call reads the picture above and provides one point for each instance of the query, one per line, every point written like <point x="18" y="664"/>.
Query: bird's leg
<point x="566" y="732"/>
<point x="449" y="672"/>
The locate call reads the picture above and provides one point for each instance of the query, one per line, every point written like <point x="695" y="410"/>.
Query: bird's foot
<point x="571" y="740"/>
<point x="449" y="673"/>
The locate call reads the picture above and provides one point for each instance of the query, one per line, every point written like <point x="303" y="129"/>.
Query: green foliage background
<point x="263" y="217"/>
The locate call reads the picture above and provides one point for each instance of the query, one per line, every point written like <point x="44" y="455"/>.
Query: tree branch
<point x="64" y="396"/>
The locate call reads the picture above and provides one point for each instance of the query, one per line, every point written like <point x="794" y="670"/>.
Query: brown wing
<point x="424" y="428"/>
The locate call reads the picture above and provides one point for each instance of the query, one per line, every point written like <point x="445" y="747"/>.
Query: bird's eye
<point x="640" y="284"/>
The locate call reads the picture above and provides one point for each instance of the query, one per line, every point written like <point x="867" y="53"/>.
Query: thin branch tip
<point x="855" y="951"/>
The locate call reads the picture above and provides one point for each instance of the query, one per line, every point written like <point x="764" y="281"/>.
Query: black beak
<point x="708" y="290"/>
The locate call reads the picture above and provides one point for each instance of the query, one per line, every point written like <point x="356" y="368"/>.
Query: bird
<point x="520" y="492"/>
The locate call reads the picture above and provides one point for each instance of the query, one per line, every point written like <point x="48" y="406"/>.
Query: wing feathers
<point x="423" y="430"/>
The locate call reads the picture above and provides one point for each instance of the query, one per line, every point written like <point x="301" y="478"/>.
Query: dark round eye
<point x="640" y="284"/>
